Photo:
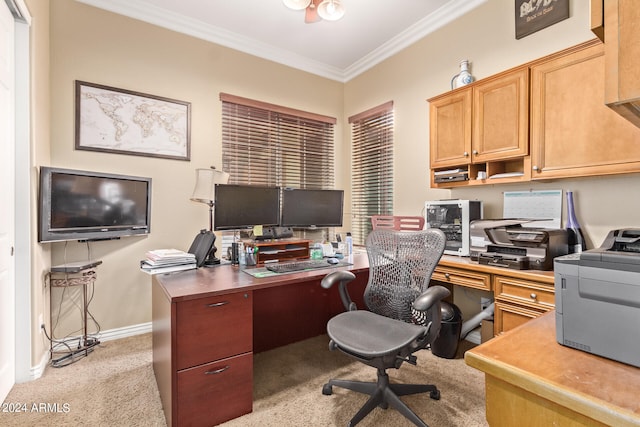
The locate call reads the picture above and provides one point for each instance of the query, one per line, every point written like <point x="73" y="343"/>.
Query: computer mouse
<point x="332" y="261"/>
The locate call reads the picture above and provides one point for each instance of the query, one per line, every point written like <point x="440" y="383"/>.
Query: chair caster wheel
<point x="327" y="390"/>
<point x="435" y="395"/>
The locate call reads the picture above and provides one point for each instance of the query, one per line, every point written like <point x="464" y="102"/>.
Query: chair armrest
<point x="429" y="297"/>
<point x="343" y="277"/>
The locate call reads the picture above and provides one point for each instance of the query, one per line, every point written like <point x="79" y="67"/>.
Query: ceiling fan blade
<point x="311" y="12"/>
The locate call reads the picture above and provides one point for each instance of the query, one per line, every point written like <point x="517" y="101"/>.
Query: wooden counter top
<point x="466" y="264"/>
<point x="527" y="364"/>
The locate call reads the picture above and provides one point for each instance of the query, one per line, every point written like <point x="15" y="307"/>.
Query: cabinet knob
<point x="533" y="295"/>
<point x="447" y="276"/>
<point x="474" y="152"/>
<point x="535" y="168"/>
<point x="465" y="154"/>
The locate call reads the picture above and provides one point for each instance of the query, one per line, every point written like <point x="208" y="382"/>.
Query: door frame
<point x="23" y="193"/>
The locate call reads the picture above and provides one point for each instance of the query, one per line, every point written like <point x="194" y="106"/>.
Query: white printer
<point x="597" y="295"/>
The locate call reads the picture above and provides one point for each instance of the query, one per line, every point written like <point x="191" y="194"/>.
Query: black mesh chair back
<point x="400" y="268"/>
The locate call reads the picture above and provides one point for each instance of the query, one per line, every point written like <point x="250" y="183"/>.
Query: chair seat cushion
<point x="370" y="335"/>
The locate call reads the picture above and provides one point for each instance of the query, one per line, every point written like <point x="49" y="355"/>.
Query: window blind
<point x="372" y="171"/>
<point x="267" y="144"/>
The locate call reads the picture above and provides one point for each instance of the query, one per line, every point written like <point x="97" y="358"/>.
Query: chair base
<point x="383" y="394"/>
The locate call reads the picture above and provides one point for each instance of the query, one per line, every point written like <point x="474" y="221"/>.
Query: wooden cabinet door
<point x="510" y="316"/>
<point x="573" y="132"/>
<point x="501" y="117"/>
<point x="450" y="129"/>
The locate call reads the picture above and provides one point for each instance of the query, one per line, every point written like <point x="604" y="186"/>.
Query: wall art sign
<point x="126" y="122"/>
<point x="534" y="15"/>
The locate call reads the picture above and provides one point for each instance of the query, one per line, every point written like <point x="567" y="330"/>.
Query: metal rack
<point x="72" y="275"/>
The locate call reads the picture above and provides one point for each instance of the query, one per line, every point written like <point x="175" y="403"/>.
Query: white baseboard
<point x="112" y="334"/>
<point x="127" y="331"/>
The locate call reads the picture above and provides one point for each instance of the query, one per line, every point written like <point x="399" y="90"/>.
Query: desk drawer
<point x="531" y="294"/>
<point x="213" y="328"/>
<point x="215" y="392"/>
<point x="462" y="278"/>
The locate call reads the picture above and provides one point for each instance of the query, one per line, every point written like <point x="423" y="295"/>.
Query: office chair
<point x="397" y="222"/>
<point x="403" y="315"/>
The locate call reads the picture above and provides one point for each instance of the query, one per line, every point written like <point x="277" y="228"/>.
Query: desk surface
<point x="465" y="263"/>
<point x="224" y="279"/>
<point x="529" y="358"/>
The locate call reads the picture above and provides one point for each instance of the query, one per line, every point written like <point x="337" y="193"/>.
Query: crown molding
<point x="438" y="19"/>
<point x="157" y="16"/>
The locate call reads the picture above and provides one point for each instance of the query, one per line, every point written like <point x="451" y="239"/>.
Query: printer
<point x="506" y="243"/>
<point x="597" y="296"/>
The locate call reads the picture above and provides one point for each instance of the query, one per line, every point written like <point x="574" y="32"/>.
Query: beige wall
<point x="92" y="45"/>
<point x="96" y="46"/>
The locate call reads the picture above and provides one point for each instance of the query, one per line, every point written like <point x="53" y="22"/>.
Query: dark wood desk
<point x="531" y="380"/>
<point x="208" y="323"/>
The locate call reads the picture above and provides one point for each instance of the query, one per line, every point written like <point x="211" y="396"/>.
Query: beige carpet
<point x="115" y="386"/>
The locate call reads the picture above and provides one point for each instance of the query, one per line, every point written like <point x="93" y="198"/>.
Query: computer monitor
<point x="311" y="208"/>
<point x="244" y="206"/>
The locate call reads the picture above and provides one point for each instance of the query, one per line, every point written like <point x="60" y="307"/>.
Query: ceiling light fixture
<point x="330" y="10"/>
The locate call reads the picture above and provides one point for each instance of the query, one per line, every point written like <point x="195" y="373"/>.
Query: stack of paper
<point x="167" y="260"/>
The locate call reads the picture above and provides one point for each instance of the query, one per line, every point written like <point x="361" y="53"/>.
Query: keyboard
<point x="290" y="266"/>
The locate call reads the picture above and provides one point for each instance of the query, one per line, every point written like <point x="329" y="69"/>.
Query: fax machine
<point x="506" y="243"/>
<point x="598" y="298"/>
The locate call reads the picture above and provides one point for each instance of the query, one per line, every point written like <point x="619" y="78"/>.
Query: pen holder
<point x="251" y="259"/>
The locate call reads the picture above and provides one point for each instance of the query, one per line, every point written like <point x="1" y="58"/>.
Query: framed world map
<point x="126" y="122"/>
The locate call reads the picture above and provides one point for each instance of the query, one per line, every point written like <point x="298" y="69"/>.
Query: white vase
<point x="464" y="77"/>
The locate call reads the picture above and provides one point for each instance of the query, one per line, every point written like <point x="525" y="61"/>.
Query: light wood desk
<point x="531" y="380"/>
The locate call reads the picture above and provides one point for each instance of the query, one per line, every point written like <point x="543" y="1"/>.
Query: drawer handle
<point x="218" y="304"/>
<point x="533" y="296"/>
<point x="447" y="276"/>
<point x="217" y="371"/>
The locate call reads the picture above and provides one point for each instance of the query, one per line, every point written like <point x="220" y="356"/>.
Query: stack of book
<point x="167" y="260"/>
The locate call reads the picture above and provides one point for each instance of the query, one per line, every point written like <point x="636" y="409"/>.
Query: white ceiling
<point x="369" y="32"/>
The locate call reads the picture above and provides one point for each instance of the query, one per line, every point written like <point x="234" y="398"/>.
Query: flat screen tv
<point x="311" y="208"/>
<point x="84" y="205"/>
<point x="244" y="206"/>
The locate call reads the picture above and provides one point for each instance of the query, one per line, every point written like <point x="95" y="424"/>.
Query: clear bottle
<point x="576" y="239"/>
<point x="349" y="241"/>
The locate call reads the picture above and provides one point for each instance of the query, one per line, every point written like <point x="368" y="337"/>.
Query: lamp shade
<point x="297" y="4"/>
<point x="331" y="10"/>
<point x="206" y="180"/>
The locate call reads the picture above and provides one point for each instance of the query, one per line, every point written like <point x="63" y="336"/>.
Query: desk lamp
<point x="205" y="192"/>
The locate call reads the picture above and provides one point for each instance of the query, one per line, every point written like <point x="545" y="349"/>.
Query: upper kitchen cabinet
<point x="501" y="117"/>
<point x="573" y="132"/>
<point x="481" y="130"/>
<point x="450" y="129"/>
<point x="622" y="57"/>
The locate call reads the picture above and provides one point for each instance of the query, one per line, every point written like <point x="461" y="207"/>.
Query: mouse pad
<point x="263" y="272"/>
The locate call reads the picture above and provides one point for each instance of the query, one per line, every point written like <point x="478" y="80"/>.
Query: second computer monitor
<point x="312" y="208"/>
